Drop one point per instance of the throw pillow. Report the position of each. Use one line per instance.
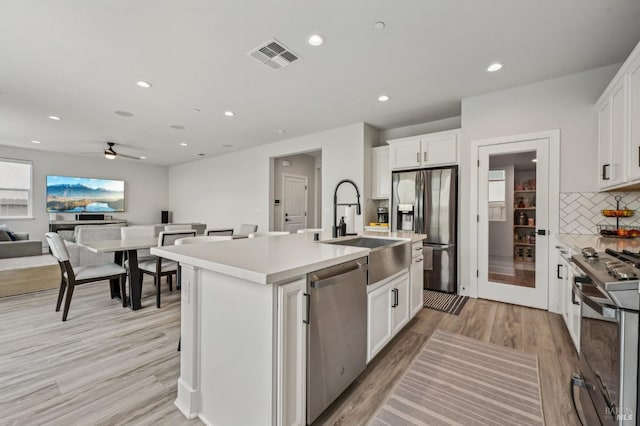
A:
(4, 226)
(12, 236)
(4, 236)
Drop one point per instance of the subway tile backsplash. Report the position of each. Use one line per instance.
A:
(580, 211)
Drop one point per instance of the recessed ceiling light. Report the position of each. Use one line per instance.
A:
(379, 25)
(142, 157)
(496, 66)
(177, 127)
(183, 144)
(54, 117)
(315, 40)
(383, 98)
(226, 145)
(144, 84)
(281, 131)
(35, 141)
(196, 109)
(229, 113)
(123, 113)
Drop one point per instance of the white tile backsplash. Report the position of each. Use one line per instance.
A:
(580, 211)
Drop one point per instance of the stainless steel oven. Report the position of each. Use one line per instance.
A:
(608, 358)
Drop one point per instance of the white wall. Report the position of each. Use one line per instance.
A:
(300, 165)
(232, 189)
(565, 103)
(146, 186)
(419, 129)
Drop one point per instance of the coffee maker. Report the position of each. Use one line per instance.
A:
(405, 217)
(383, 215)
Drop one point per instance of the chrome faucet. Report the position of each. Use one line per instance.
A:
(335, 204)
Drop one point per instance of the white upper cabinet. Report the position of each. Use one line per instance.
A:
(619, 127)
(634, 114)
(381, 173)
(435, 149)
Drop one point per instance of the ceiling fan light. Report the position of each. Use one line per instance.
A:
(109, 155)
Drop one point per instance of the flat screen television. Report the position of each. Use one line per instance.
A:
(76, 195)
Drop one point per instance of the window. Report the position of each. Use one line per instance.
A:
(497, 192)
(15, 188)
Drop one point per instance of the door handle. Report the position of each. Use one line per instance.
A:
(558, 272)
(308, 297)
(542, 232)
(286, 219)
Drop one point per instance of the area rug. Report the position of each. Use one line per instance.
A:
(444, 302)
(464, 381)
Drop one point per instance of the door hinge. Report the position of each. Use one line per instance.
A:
(478, 218)
(478, 163)
(477, 274)
(305, 213)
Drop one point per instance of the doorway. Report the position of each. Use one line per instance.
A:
(517, 195)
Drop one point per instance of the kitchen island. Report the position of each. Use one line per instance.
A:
(243, 358)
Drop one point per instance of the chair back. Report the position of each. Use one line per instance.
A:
(228, 231)
(246, 229)
(267, 234)
(168, 238)
(129, 232)
(98, 233)
(178, 227)
(203, 239)
(302, 231)
(57, 246)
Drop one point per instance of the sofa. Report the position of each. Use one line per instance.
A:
(21, 247)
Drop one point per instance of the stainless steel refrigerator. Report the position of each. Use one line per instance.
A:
(426, 201)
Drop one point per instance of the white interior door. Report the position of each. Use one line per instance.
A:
(513, 222)
(294, 194)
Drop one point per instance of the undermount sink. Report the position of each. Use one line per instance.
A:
(387, 256)
(366, 242)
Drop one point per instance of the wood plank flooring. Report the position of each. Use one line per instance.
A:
(109, 366)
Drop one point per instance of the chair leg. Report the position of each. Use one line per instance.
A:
(179, 344)
(158, 280)
(63, 286)
(123, 289)
(170, 280)
(67, 302)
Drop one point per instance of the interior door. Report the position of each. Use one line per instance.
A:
(513, 218)
(295, 202)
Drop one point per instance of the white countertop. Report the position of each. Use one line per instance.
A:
(266, 260)
(577, 242)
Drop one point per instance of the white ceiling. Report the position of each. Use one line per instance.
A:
(81, 59)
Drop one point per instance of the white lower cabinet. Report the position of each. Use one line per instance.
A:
(416, 272)
(388, 311)
(292, 354)
(570, 305)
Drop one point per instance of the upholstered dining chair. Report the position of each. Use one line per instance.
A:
(159, 267)
(267, 234)
(71, 276)
(246, 229)
(222, 232)
(178, 227)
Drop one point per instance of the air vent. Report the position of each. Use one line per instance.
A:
(274, 55)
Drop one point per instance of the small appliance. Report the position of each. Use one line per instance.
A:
(383, 215)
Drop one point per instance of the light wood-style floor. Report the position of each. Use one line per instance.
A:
(108, 365)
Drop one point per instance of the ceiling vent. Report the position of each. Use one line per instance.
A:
(273, 54)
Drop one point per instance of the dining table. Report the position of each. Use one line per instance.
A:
(130, 246)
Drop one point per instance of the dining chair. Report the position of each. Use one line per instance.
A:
(158, 267)
(246, 229)
(267, 234)
(71, 276)
(302, 231)
(225, 231)
(178, 227)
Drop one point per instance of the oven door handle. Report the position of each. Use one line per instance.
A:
(576, 292)
(603, 309)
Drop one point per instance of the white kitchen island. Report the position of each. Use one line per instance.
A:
(243, 359)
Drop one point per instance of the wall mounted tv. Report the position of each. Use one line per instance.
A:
(75, 195)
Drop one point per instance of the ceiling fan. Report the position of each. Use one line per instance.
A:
(111, 154)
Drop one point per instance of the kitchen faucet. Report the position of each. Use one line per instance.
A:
(335, 204)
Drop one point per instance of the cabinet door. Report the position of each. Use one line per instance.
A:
(401, 312)
(604, 144)
(440, 150)
(405, 154)
(381, 173)
(634, 117)
(619, 122)
(417, 283)
(378, 319)
(292, 355)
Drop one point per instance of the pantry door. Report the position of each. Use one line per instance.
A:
(513, 219)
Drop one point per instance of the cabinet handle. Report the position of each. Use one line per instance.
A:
(395, 297)
(308, 297)
(419, 260)
(417, 157)
(604, 172)
(573, 298)
(558, 272)
(638, 155)
(418, 248)
(425, 156)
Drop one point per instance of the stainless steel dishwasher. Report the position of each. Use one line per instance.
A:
(336, 332)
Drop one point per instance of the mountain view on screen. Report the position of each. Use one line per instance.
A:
(73, 195)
